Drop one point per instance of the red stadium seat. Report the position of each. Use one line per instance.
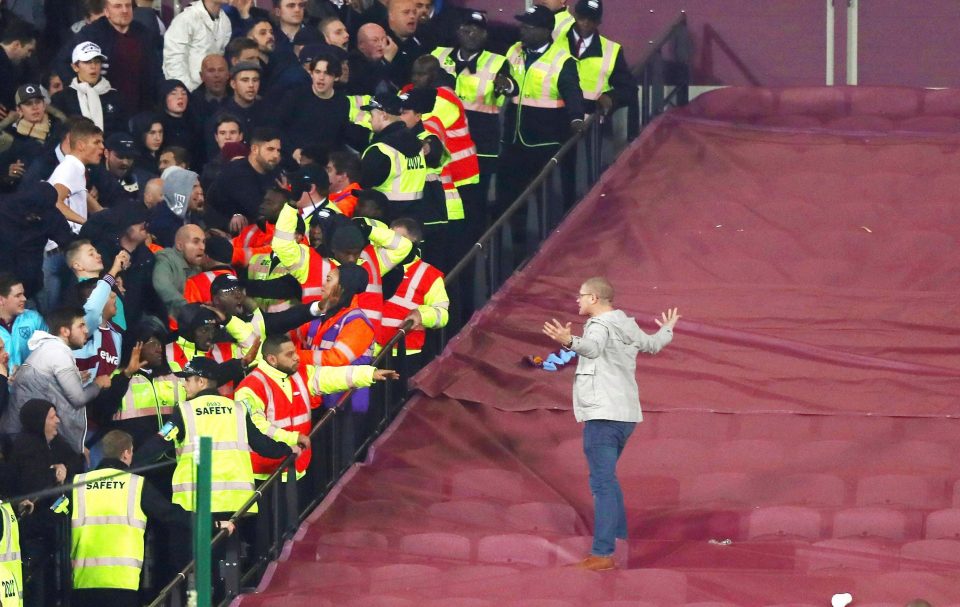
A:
(784, 521)
(846, 554)
(435, 544)
(381, 601)
(404, 578)
(942, 525)
(749, 454)
(870, 522)
(822, 455)
(516, 548)
(925, 555)
(808, 489)
(654, 585)
(544, 517)
(471, 512)
(720, 487)
(897, 490)
(661, 454)
(488, 483)
(473, 580)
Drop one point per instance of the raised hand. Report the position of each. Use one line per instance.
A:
(557, 332)
(136, 363)
(668, 318)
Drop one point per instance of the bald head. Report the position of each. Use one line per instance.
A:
(370, 39)
(402, 17)
(153, 192)
(191, 242)
(214, 74)
(599, 286)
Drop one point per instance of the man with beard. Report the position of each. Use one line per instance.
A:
(238, 191)
(175, 265)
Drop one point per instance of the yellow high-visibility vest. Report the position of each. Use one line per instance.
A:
(407, 174)
(225, 422)
(475, 90)
(595, 71)
(107, 527)
(10, 553)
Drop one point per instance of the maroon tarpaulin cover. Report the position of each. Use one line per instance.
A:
(800, 435)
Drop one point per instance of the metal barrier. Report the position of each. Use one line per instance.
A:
(505, 247)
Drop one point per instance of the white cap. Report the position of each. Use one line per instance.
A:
(86, 51)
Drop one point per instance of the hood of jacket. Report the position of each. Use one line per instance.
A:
(33, 415)
(40, 338)
(177, 188)
(625, 327)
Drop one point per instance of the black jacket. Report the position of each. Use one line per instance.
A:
(305, 119)
(27, 220)
(238, 189)
(136, 82)
(31, 459)
(114, 116)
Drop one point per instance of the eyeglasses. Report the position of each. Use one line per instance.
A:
(580, 295)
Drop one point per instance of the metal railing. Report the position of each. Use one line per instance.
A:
(505, 246)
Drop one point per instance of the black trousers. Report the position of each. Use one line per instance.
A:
(519, 165)
(104, 597)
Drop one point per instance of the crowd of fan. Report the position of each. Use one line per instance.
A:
(181, 189)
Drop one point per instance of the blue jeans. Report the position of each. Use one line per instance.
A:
(603, 442)
(55, 277)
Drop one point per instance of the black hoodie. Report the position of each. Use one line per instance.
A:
(32, 458)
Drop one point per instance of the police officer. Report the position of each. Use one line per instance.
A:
(543, 110)
(394, 162)
(482, 80)
(110, 511)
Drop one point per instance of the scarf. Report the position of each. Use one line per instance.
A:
(89, 98)
(37, 130)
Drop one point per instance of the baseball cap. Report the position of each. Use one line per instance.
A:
(478, 18)
(420, 100)
(201, 366)
(224, 282)
(86, 51)
(537, 16)
(305, 178)
(590, 9)
(121, 144)
(244, 66)
(27, 92)
(386, 103)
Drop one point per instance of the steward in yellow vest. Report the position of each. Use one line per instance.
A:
(482, 81)
(543, 111)
(11, 564)
(110, 512)
(605, 78)
(234, 435)
(394, 162)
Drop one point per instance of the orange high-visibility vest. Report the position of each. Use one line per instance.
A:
(416, 283)
(291, 414)
(371, 300)
(252, 236)
(448, 113)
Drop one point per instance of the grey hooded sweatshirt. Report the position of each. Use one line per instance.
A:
(50, 373)
(605, 385)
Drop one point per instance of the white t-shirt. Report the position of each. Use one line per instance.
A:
(73, 175)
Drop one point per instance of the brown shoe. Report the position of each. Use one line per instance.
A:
(598, 563)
